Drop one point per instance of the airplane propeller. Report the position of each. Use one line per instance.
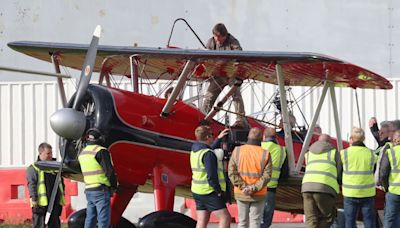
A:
(70, 123)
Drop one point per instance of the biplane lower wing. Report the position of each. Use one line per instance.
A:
(299, 69)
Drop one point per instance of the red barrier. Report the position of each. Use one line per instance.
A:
(14, 197)
(279, 216)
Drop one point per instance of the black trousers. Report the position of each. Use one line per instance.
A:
(39, 215)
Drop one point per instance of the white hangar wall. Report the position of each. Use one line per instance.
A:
(27, 106)
(364, 32)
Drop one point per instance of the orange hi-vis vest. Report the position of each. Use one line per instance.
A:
(251, 161)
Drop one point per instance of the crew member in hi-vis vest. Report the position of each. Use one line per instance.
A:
(320, 184)
(280, 170)
(40, 186)
(99, 177)
(208, 180)
(382, 137)
(389, 180)
(250, 170)
(358, 187)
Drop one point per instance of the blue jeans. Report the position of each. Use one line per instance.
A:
(351, 207)
(339, 221)
(268, 210)
(98, 205)
(392, 211)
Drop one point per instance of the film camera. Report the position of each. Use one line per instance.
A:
(236, 137)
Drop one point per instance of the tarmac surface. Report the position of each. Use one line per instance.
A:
(276, 225)
(282, 225)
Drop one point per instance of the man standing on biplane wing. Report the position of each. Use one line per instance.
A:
(223, 41)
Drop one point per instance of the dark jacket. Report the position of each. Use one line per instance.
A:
(384, 170)
(216, 144)
(230, 43)
(210, 163)
(318, 148)
(375, 132)
(104, 159)
(49, 179)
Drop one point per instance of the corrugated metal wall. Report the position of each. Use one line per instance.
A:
(24, 119)
(27, 106)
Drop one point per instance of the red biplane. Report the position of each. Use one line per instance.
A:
(150, 137)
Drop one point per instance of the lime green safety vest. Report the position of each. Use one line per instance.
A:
(42, 192)
(93, 173)
(321, 168)
(394, 176)
(384, 148)
(278, 155)
(358, 172)
(199, 175)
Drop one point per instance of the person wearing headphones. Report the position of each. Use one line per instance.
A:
(99, 177)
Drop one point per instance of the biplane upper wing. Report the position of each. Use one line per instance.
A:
(299, 69)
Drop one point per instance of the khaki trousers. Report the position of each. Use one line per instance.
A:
(250, 213)
(319, 209)
(217, 84)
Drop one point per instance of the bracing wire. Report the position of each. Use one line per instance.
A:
(298, 106)
(69, 73)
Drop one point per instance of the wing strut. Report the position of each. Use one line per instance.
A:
(285, 114)
(189, 66)
(310, 131)
(233, 89)
(336, 117)
(105, 73)
(358, 107)
(56, 63)
(134, 74)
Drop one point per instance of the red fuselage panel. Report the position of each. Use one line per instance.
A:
(134, 163)
(143, 112)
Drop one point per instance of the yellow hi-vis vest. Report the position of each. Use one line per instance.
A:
(384, 148)
(394, 176)
(278, 156)
(358, 172)
(42, 192)
(199, 175)
(321, 168)
(93, 173)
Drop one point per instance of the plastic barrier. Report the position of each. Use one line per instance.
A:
(279, 216)
(14, 197)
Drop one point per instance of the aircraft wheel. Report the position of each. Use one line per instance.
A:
(77, 220)
(123, 222)
(166, 219)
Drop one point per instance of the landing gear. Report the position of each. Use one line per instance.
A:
(166, 219)
(77, 220)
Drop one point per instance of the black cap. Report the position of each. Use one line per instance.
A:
(93, 134)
